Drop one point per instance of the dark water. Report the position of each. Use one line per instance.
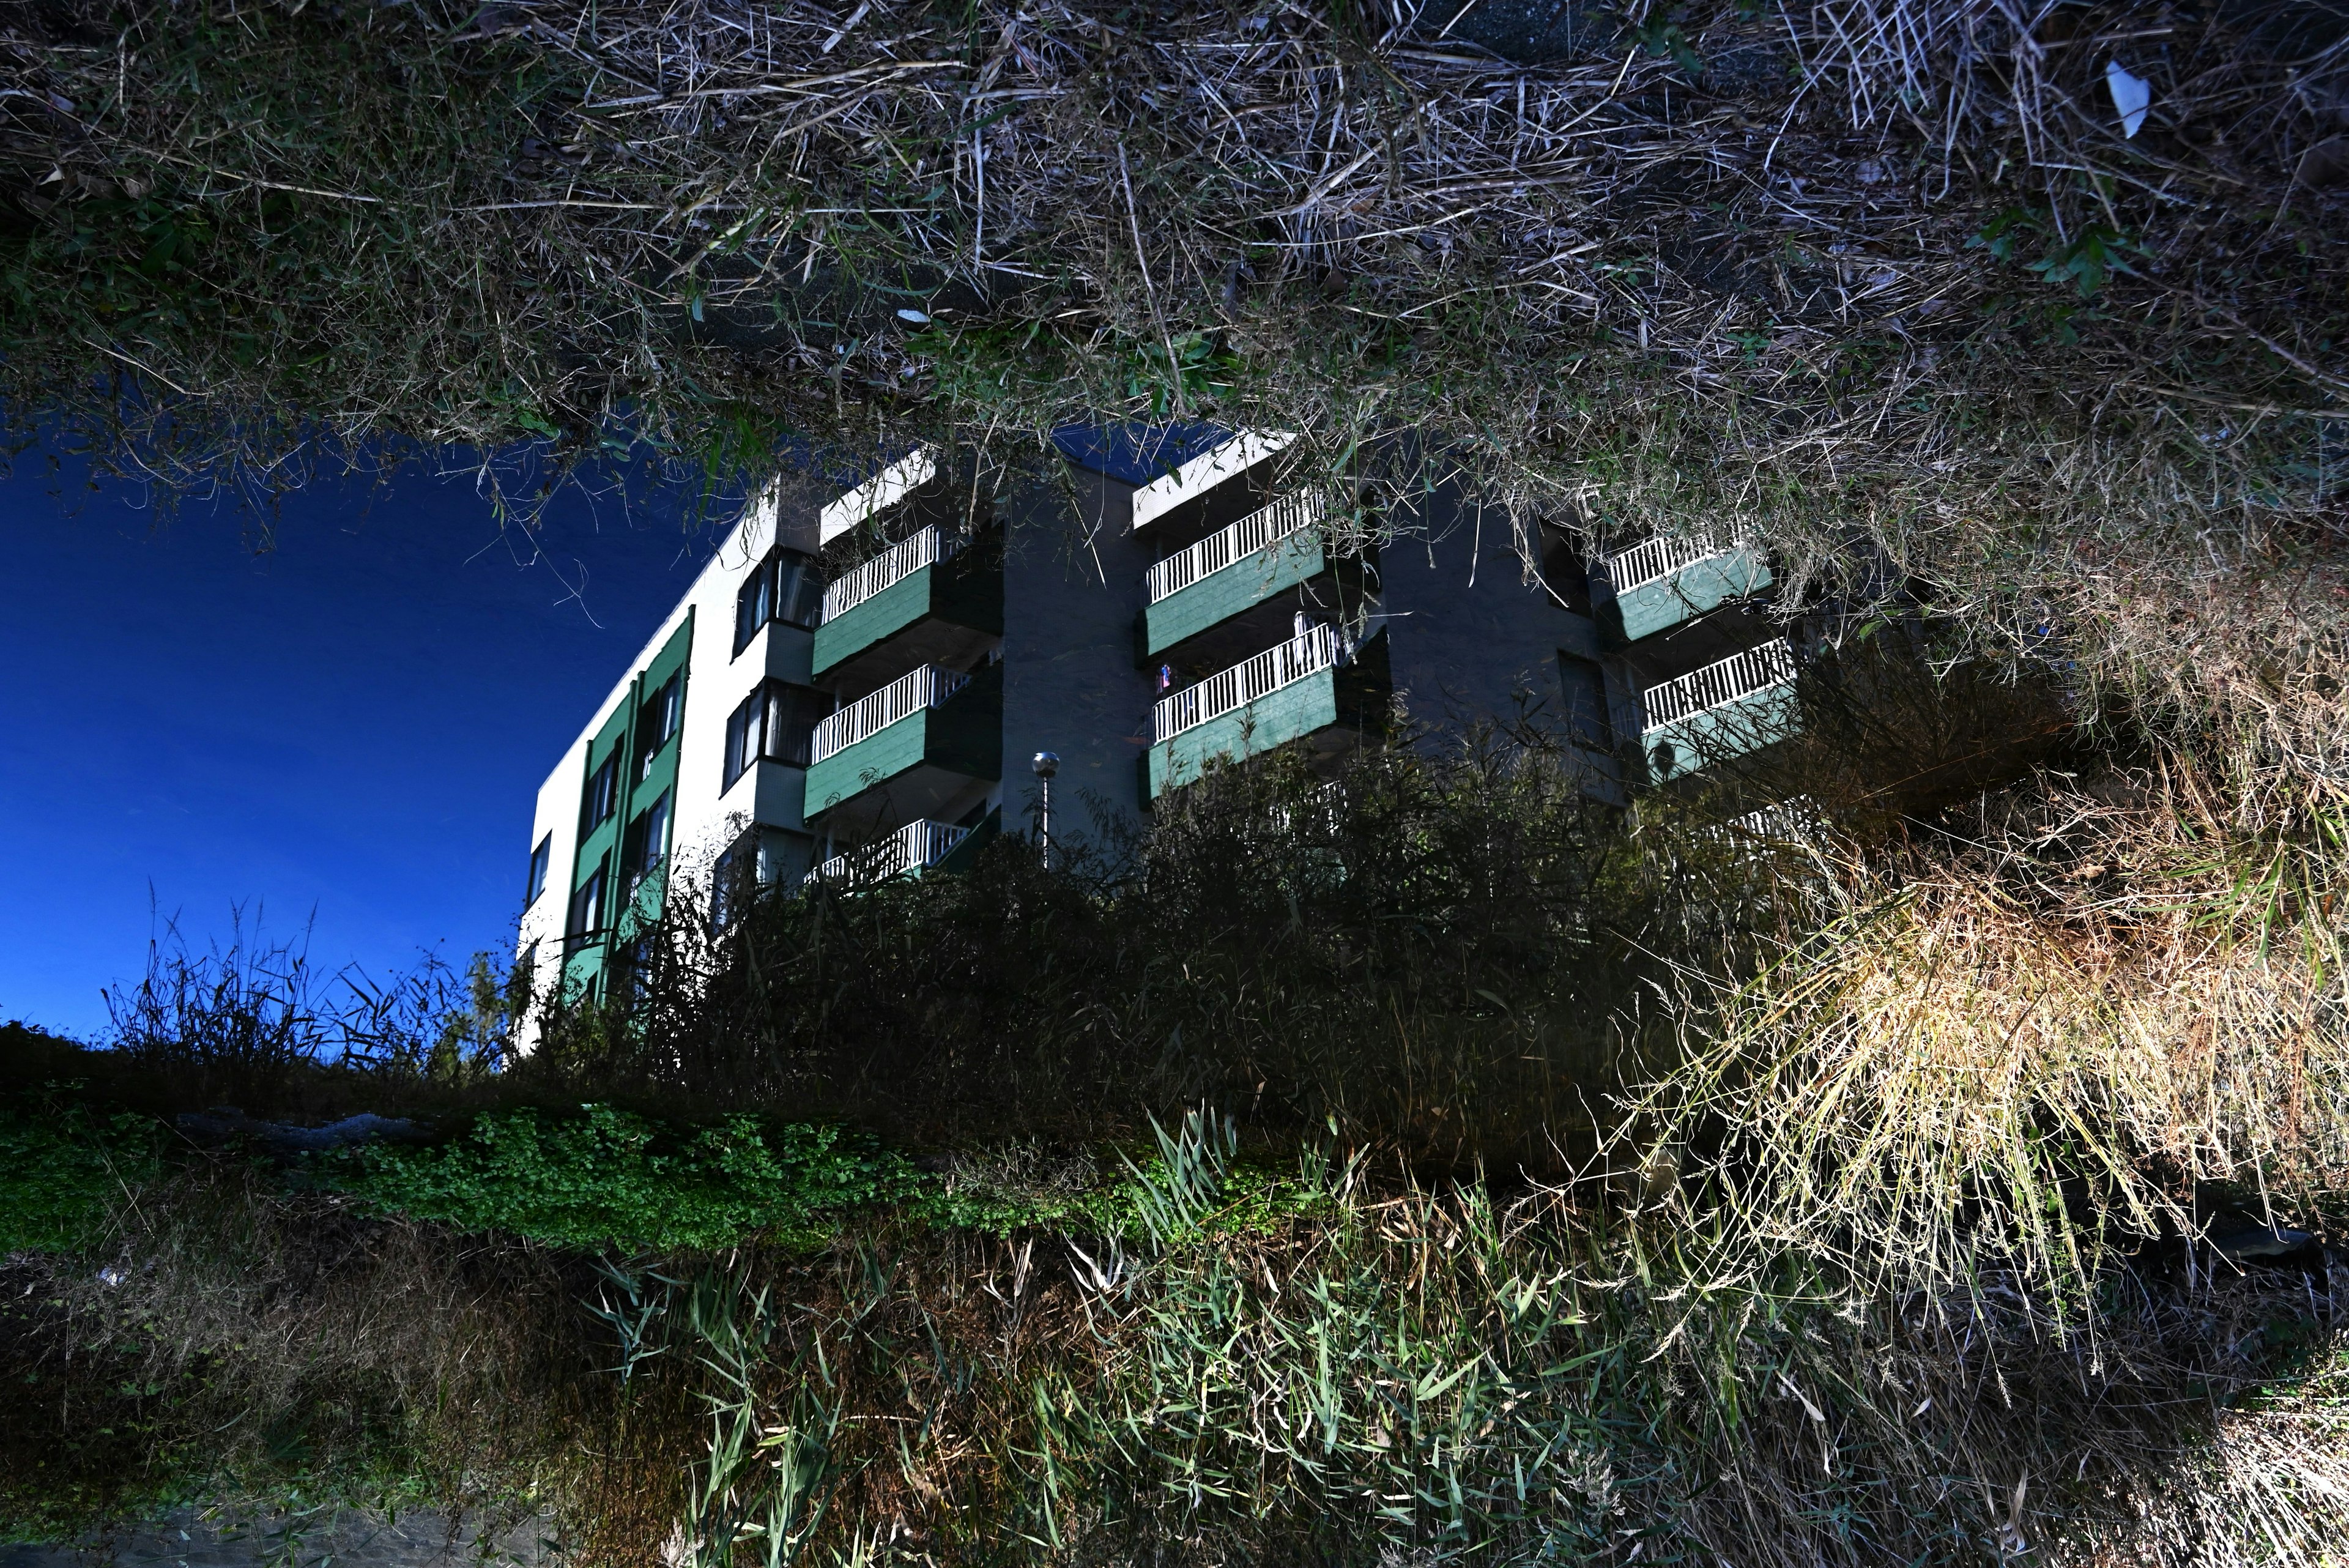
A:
(346, 1537)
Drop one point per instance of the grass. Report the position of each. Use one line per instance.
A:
(1381, 1367)
(1879, 1208)
(1736, 269)
(2063, 1022)
(606, 1178)
(1665, 1194)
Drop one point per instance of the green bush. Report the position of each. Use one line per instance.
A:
(610, 1178)
(62, 1171)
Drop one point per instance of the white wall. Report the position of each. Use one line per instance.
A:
(705, 816)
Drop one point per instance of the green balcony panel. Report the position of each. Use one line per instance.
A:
(1245, 584)
(959, 858)
(959, 739)
(946, 603)
(1690, 592)
(1720, 733)
(1292, 712)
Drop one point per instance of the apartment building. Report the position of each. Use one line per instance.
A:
(857, 689)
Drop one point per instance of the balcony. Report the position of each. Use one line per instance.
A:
(1660, 583)
(1258, 558)
(1725, 709)
(934, 598)
(1301, 688)
(899, 480)
(907, 749)
(916, 847)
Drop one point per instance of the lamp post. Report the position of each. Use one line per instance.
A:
(1046, 765)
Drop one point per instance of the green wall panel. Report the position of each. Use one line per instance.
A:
(1720, 733)
(1295, 711)
(1245, 583)
(1691, 592)
(874, 760)
(638, 788)
(964, 736)
(885, 614)
(967, 590)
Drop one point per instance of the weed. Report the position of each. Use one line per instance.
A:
(605, 1177)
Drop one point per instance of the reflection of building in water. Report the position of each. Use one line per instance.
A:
(837, 693)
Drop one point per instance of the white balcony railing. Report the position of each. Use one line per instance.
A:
(1794, 820)
(891, 567)
(909, 693)
(916, 846)
(1290, 514)
(1724, 680)
(1321, 647)
(1653, 560)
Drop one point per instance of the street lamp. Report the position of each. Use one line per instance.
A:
(1046, 765)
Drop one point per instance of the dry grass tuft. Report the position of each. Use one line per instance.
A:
(2040, 1034)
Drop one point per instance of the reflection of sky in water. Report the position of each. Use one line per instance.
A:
(354, 725)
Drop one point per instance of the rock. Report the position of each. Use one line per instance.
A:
(2324, 164)
(2259, 1241)
(224, 1122)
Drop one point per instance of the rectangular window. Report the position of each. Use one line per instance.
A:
(602, 794)
(734, 881)
(744, 737)
(793, 714)
(1585, 689)
(645, 843)
(785, 587)
(539, 859)
(761, 861)
(657, 717)
(586, 912)
(754, 604)
(799, 591)
(776, 724)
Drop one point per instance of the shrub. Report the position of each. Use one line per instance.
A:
(63, 1169)
(610, 1178)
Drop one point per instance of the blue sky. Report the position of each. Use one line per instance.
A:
(345, 732)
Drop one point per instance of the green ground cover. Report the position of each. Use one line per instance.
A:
(66, 1169)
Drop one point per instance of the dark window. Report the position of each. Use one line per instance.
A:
(774, 724)
(1586, 704)
(586, 912)
(631, 966)
(645, 843)
(785, 587)
(602, 794)
(539, 859)
(761, 860)
(734, 881)
(754, 604)
(1567, 571)
(657, 717)
(799, 592)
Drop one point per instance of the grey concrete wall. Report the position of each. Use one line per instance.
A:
(1474, 632)
(1072, 586)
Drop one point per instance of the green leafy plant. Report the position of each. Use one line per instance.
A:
(1670, 39)
(2005, 232)
(2090, 260)
(62, 1171)
(607, 1177)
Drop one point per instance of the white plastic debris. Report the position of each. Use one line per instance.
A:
(112, 1275)
(916, 317)
(2131, 95)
